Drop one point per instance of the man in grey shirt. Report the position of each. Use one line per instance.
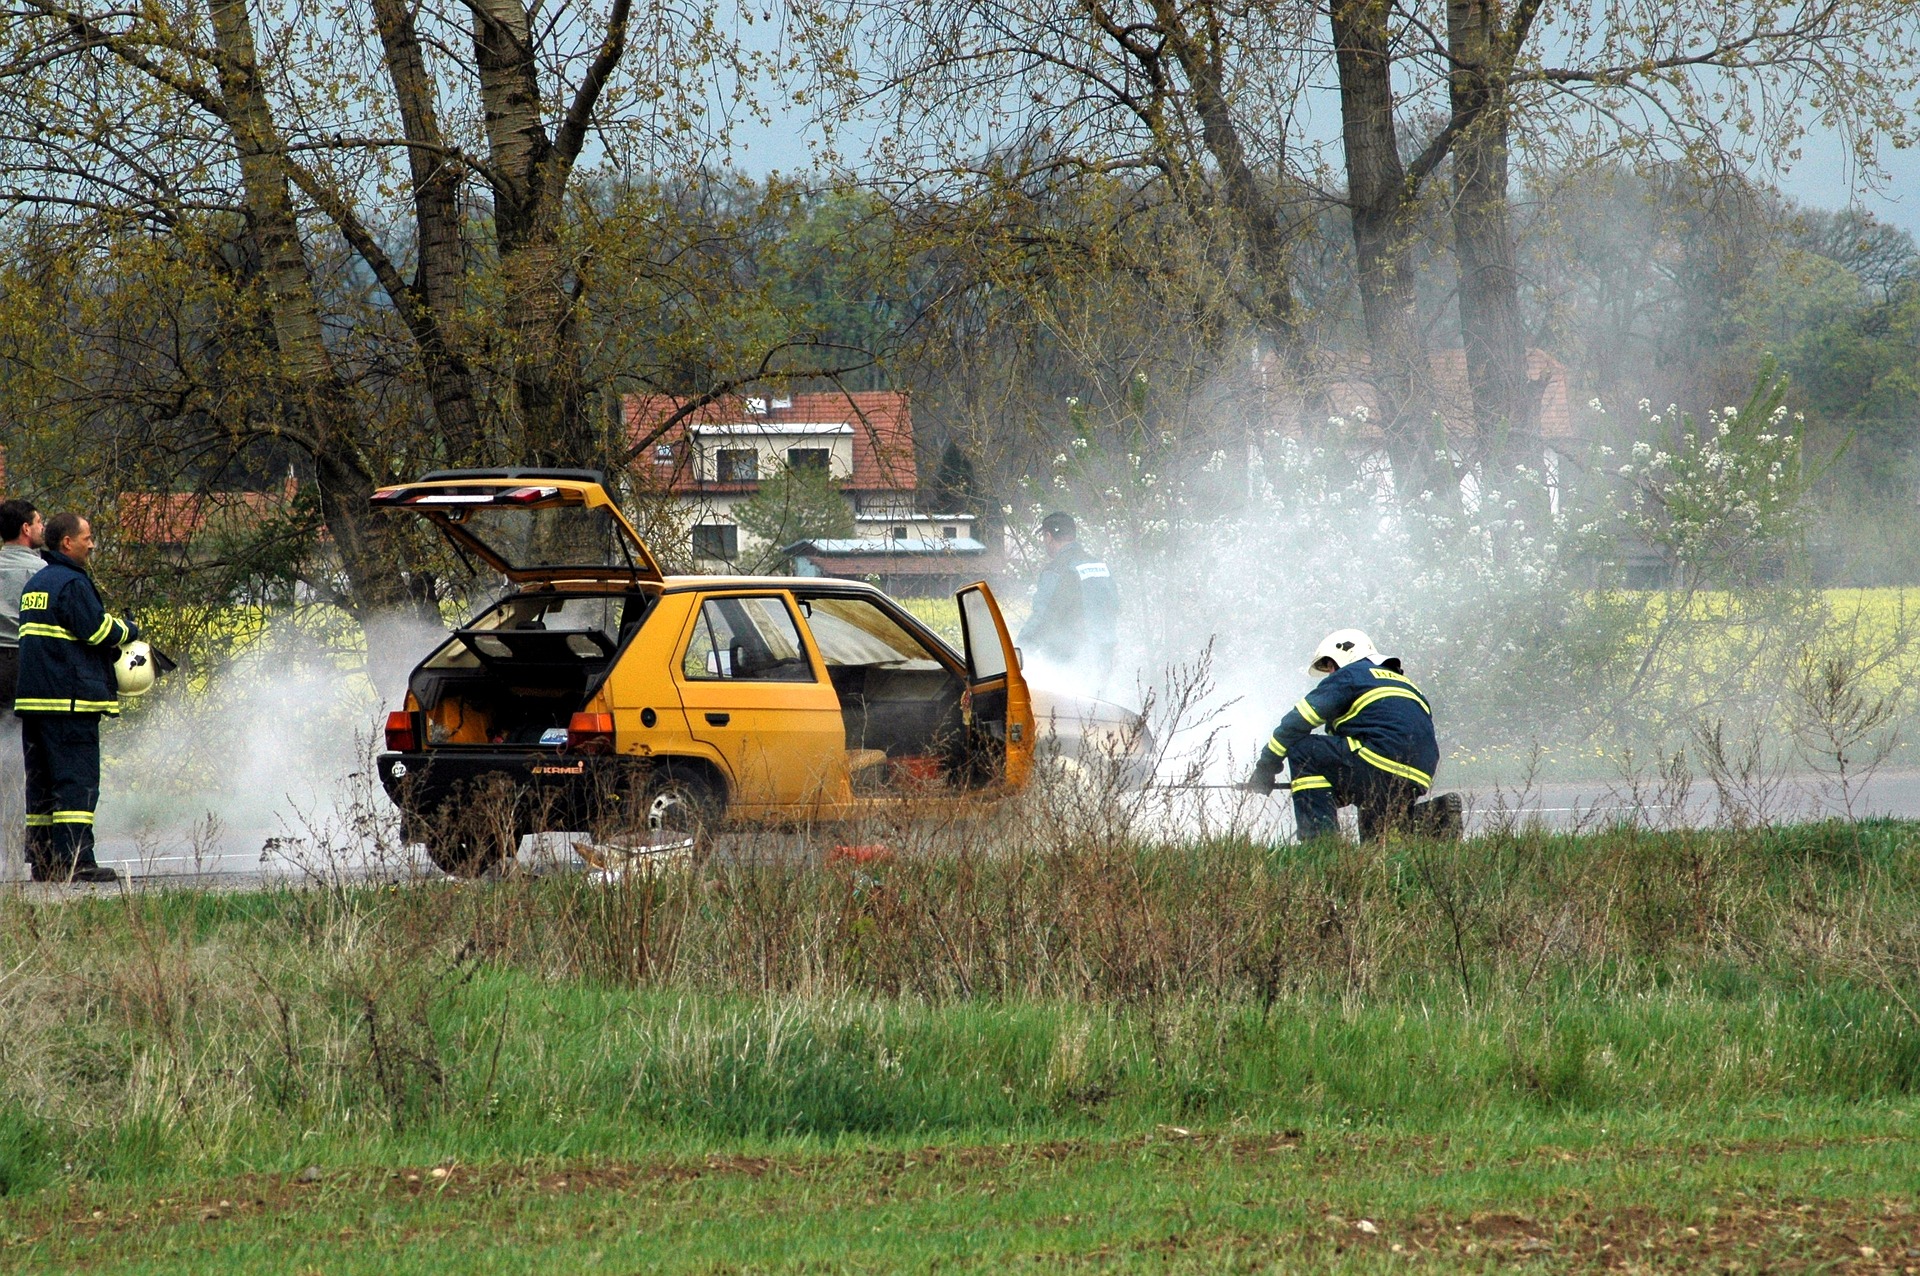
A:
(22, 531)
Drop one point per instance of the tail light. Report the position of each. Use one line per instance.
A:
(590, 733)
(401, 737)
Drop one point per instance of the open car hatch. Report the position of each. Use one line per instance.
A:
(530, 525)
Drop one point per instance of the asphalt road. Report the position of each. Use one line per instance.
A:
(239, 858)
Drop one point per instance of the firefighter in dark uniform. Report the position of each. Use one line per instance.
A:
(67, 683)
(1379, 752)
(1074, 621)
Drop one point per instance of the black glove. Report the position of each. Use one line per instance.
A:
(1266, 773)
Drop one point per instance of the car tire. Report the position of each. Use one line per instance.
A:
(674, 801)
(463, 847)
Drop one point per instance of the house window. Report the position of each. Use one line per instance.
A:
(898, 533)
(950, 533)
(807, 458)
(737, 465)
(663, 454)
(716, 540)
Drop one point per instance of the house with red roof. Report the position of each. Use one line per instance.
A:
(175, 520)
(719, 455)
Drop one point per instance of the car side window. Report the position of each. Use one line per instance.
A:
(745, 640)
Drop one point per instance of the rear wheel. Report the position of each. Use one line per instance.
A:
(679, 807)
(475, 828)
(469, 856)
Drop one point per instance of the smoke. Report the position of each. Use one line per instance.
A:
(1250, 569)
(212, 766)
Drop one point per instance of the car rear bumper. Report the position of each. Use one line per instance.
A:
(545, 788)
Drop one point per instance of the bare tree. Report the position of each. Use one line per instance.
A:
(1188, 100)
(440, 147)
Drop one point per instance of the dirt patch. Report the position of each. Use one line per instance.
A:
(1789, 1236)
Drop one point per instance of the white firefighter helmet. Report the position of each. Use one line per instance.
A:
(1342, 647)
(133, 668)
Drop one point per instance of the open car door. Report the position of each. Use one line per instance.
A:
(530, 525)
(1000, 716)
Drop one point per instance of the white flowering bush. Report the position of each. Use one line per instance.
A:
(1715, 496)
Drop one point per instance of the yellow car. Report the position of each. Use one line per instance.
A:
(600, 691)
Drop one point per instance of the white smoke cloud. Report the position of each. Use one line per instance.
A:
(206, 772)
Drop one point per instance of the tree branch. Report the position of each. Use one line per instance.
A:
(573, 130)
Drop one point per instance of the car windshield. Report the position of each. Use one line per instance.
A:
(853, 631)
(554, 537)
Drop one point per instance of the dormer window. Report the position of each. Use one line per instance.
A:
(808, 458)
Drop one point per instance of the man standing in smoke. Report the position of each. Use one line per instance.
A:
(1075, 608)
(21, 532)
(67, 683)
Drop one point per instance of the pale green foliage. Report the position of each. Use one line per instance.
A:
(796, 503)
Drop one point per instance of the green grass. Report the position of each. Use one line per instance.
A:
(1795, 1189)
(1550, 1050)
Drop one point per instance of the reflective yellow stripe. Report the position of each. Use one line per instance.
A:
(34, 629)
(39, 821)
(71, 817)
(1276, 748)
(41, 705)
(1391, 767)
(1306, 783)
(100, 634)
(1308, 712)
(1397, 677)
(1376, 695)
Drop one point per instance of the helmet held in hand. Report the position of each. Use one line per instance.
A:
(133, 668)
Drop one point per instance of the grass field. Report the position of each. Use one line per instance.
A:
(1629, 1050)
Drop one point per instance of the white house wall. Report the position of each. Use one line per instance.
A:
(770, 445)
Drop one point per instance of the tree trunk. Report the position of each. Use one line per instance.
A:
(529, 190)
(440, 278)
(1268, 242)
(1505, 403)
(364, 541)
(1381, 199)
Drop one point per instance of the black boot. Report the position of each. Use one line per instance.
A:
(1442, 817)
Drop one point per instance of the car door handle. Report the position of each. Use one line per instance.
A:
(719, 719)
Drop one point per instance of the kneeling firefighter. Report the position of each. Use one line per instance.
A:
(1379, 752)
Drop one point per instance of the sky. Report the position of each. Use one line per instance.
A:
(1824, 177)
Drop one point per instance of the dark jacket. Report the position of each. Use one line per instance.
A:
(67, 643)
(1075, 607)
(1379, 711)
